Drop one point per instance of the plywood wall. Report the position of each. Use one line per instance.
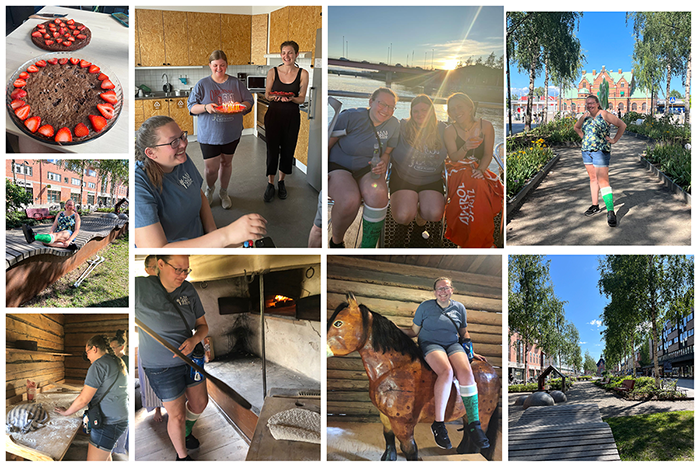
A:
(41, 367)
(258, 41)
(81, 327)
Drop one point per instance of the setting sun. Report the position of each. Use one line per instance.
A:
(450, 64)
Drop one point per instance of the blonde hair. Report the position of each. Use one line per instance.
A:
(378, 91)
(218, 55)
(461, 98)
(147, 137)
(423, 136)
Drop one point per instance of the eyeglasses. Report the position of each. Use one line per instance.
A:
(383, 106)
(174, 143)
(179, 271)
(444, 289)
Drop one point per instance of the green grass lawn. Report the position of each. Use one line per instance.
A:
(666, 436)
(106, 286)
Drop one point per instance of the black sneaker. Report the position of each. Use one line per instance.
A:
(441, 437)
(72, 247)
(594, 209)
(332, 244)
(269, 192)
(188, 458)
(477, 436)
(281, 190)
(612, 219)
(191, 442)
(28, 233)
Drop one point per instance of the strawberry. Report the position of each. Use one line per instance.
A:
(67, 43)
(81, 27)
(32, 69)
(41, 26)
(70, 39)
(18, 94)
(48, 42)
(63, 135)
(70, 21)
(46, 130)
(98, 122)
(106, 110)
(36, 34)
(74, 61)
(94, 69)
(106, 84)
(102, 77)
(32, 123)
(62, 61)
(41, 63)
(55, 34)
(52, 61)
(81, 130)
(58, 21)
(76, 33)
(81, 36)
(17, 103)
(19, 83)
(23, 112)
(70, 26)
(62, 31)
(84, 64)
(62, 24)
(110, 96)
(47, 36)
(24, 75)
(52, 27)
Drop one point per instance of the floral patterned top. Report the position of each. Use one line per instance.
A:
(65, 223)
(594, 132)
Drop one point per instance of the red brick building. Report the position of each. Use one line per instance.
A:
(51, 184)
(518, 356)
(625, 93)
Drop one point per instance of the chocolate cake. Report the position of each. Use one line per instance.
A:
(61, 35)
(63, 100)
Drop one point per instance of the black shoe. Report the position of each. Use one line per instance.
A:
(612, 219)
(191, 442)
(28, 233)
(269, 192)
(441, 437)
(281, 190)
(477, 436)
(594, 209)
(332, 244)
(72, 247)
(188, 458)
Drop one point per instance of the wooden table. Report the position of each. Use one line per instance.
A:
(109, 46)
(563, 433)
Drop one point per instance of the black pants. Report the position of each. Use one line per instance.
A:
(281, 130)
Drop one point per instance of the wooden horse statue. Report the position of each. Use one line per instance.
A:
(400, 382)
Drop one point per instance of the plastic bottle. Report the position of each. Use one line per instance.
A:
(198, 358)
(375, 160)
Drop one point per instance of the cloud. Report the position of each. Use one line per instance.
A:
(582, 343)
(596, 322)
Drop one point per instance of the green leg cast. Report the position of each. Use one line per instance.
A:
(188, 427)
(607, 197)
(43, 238)
(372, 223)
(470, 397)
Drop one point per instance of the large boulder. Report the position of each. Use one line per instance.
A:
(538, 399)
(520, 400)
(558, 396)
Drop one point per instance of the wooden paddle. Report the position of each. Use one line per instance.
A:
(225, 388)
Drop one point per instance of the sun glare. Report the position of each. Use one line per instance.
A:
(450, 64)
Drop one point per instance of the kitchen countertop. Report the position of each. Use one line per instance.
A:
(161, 95)
(109, 46)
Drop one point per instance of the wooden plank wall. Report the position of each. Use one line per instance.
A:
(47, 330)
(395, 290)
(81, 327)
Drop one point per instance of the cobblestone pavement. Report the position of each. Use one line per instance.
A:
(584, 392)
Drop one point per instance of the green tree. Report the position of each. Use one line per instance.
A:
(675, 94)
(644, 358)
(589, 365)
(78, 166)
(113, 172)
(491, 60)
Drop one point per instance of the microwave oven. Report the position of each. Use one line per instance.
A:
(256, 83)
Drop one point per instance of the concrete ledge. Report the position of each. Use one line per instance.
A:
(638, 136)
(670, 184)
(514, 203)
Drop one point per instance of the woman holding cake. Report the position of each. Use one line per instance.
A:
(63, 231)
(171, 209)
(285, 89)
(218, 132)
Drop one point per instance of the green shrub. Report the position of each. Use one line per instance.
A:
(522, 165)
(674, 161)
(529, 387)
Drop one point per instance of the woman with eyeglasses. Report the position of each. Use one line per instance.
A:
(171, 209)
(63, 231)
(352, 178)
(106, 384)
(170, 306)
(218, 131)
(439, 325)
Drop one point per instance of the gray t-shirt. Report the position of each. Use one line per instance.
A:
(436, 328)
(419, 166)
(219, 128)
(176, 207)
(155, 307)
(355, 146)
(100, 375)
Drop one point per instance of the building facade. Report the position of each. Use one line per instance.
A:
(51, 184)
(518, 355)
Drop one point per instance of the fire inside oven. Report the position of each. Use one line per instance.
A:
(280, 305)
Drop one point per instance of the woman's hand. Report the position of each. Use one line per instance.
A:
(248, 227)
(610, 140)
(61, 410)
(586, 114)
(188, 346)
(478, 173)
(380, 168)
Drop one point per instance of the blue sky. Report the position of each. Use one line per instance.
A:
(453, 33)
(605, 40)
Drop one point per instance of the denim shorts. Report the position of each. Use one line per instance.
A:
(170, 383)
(428, 347)
(597, 158)
(105, 438)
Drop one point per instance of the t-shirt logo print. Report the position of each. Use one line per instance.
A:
(183, 301)
(186, 180)
(383, 134)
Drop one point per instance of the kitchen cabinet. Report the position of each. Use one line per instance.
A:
(279, 28)
(295, 23)
(177, 106)
(204, 36)
(249, 120)
(150, 30)
(175, 31)
(174, 107)
(258, 40)
(138, 113)
(235, 38)
(153, 107)
(301, 153)
(137, 50)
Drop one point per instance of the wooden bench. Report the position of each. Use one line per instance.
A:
(626, 387)
(606, 380)
(38, 213)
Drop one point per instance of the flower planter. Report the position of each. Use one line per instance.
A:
(670, 184)
(516, 201)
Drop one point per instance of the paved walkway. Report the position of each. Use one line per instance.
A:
(609, 405)
(647, 212)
